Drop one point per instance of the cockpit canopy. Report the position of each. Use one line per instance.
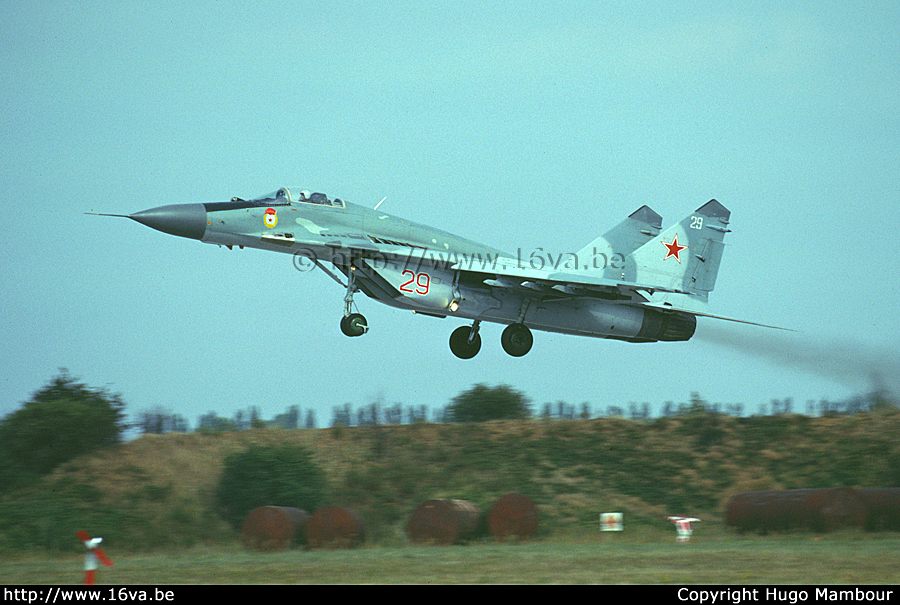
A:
(301, 196)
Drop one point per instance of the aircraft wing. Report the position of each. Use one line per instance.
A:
(547, 284)
(508, 275)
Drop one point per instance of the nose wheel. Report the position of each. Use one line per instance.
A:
(354, 325)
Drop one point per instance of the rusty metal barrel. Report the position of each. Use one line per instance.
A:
(884, 508)
(272, 527)
(443, 522)
(821, 510)
(513, 516)
(335, 527)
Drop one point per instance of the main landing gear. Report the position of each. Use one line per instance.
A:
(465, 341)
(516, 340)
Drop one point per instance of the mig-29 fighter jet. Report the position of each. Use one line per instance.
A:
(636, 283)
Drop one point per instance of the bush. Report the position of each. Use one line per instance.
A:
(281, 475)
(482, 403)
(63, 420)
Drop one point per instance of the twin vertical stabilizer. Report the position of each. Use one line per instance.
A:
(683, 258)
(687, 255)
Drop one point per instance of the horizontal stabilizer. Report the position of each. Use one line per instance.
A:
(719, 317)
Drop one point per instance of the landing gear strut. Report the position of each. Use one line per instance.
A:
(465, 341)
(516, 338)
(352, 324)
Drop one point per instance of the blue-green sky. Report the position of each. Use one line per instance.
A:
(524, 125)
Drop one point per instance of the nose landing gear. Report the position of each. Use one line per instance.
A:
(354, 324)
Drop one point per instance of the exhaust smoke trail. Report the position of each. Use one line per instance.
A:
(849, 363)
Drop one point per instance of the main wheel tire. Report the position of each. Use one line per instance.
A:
(517, 339)
(354, 325)
(460, 345)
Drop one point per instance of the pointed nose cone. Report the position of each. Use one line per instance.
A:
(183, 220)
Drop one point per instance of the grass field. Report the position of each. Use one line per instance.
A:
(153, 501)
(849, 558)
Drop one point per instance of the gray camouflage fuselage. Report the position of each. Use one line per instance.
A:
(624, 285)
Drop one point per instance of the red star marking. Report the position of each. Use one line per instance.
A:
(673, 249)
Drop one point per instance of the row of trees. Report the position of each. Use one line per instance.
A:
(478, 404)
(160, 420)
(481, 403)
(66, 419)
